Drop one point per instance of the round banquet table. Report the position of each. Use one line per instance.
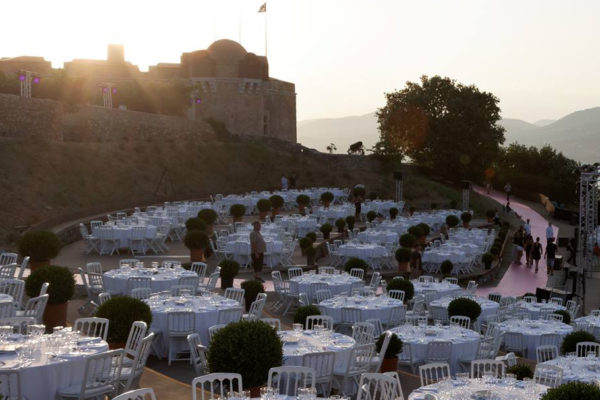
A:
(464, 341)
(123, 232)
(379, 237)
(501, 389)
(206, 309)
(532, 330)
(334, 212)
(51, 368)
(593, 322)
(366, 251)
(488, 307)
(115, 280)
(441, 288)
(371, 307)
(535, 309)
(337, 283)
(297, 344)
(581, 369)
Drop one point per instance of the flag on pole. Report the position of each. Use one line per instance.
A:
(263, 8)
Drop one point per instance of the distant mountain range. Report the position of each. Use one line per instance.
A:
(577, 135)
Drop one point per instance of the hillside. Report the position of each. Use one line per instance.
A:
(319, 133)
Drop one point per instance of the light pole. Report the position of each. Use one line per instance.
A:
(466, 191)
(107, 91)
(27, 78)
(398, 179)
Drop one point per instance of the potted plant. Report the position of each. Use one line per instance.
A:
(411, 210)
(197, 242)
(122, 312)
(248, 348)
(237, 211)
(487, 259)
(390, 358)
(464, 306)
(350, 221)
(326, 199)
(304, 243)
(229, 269)
(490, 214)
(404, 285)
(466, 218)
(195, 224)
(371, 215)
(452, 221)
(355, 262)
(312, 236)
(573, 390)
(569, 343)
(566, 316)
(521, 371)
(326, 230)
(251, 290)
(40, 247)
(425, 228)
(60, 291)
(417, 232)
(403, 258)
(209, 216)
(393, 213)
(303, 312)
(276, 203)
(446, 267)
(408, 240)
(303, 201)
(264, 206)
(340, 223)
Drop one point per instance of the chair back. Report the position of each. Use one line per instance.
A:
(214, 329)
(14, 288)
(324, 320)
(8, 258)
(375, 386)
(135, 282)
(396, 294)
(92, 327)
(583, 348)
(35, 307)
(8, 271)
(228, 315)
(101, 371)
(357, 273)
(287, 379)
(180, 322)
(141, 293)
(199, 268)
(351, 315)
(137, 394)
(136, 333)
(433, 373)
(545, 353)
(439, 350)
(461, 320)
(198, 354)
(294, 272)
(548, 375)
(481, 367)
(363, 332)
(211, 386)
(10, 384)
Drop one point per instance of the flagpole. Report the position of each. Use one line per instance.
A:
(265, 33)
(239, 22)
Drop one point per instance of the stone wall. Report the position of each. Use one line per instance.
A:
(30, 118)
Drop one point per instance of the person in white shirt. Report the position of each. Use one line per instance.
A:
(284, 183)
(527, 227)
(549, 233)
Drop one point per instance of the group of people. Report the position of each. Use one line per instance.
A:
(524, 243)
(288, 182)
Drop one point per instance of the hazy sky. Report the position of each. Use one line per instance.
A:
(540, 57)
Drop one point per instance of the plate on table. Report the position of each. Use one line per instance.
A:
(8, 348)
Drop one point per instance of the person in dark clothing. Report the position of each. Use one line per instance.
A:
(536, 252)
(550, 255)
(416, 262)
(357, 206)
(292, 181)
(572, 249)
(528, 249)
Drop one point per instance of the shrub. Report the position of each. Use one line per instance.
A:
(373, 196)
(394, 347)
(452, 221)
(326, 228)
(122, 312)
(358, 191)
(208, 215)
(312, 236)
(249, 348)
(303, 200)
(326, 197)
(521, 371)
(487, 259)
(229, 268)
(371, 215)
(425, 228)
(466, 217)
(566, 316)
(62, 283)
(403, 254)
(196, 240)
(237, 210)
(393, 213)
(39, 245)
(276, 201)
(453, 204)
(408, 240)
(303, 312)
(463, 306)
(263, 205)
(490, 214)
(251, 290)
(573, 390)
(355, 262)
(195, 224)
(305, 243)
(340, 223)
(350, 220)
(446, 267)
(570, 341)
(402, 284)
(416, 231)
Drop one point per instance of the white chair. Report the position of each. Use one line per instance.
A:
(135, 282)
(287, 379)
(109, 243)
(439, 313)
(550, 339)
(461, 320)
(91, 241)
(326, 270)
(472, 287)
(24, 265)
(256, 307)
(180, 325)
(7, 309)
(514, 342)
(439, 350)
(191, 281)
(376, 322)
(396, 317)
(15, 289)
(211, 386)
(44, 288)
(316, 287)
(198, 354)
(396, 294)
(362, 333)
(10, 384)
(451, 279)
(360, 362)
(374, 386)
(228, 315)
(546, 353)
(136, 333)
(200, 269)
(357, 273)
(294, 272)
(138, 394)
(210, 285)
(141, 293)
(554, 317)
(481, 367)
(274, 323)
(510, 359)
(100, 377)
(377, 359)
(583, 348)
(350, 316)
(180, 290)
(433, 373)
(35, 308)
(130, 376)
(323, 295)
(556, 300)
(322, 363)
(214, 329)
(323, 320)
(530, 299)
(495, 297)
(92, 327)
(426, 279)
(8, 271)
(548, 375)
(8, 258)
(595, 313)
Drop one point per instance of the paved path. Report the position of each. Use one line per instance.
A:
(519, 279)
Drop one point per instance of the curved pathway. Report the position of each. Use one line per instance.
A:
(518, 279)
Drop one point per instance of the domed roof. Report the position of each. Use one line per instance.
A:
(226, 51)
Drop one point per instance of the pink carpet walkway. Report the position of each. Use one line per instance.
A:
(519, 279)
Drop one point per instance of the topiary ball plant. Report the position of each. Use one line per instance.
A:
(303, 200)
(573, 391)
(359, 191)
(466, 217)
(263, 205)
(196, 240)
(326, 197)
(122, 312)
(326, 229)
(408, 240)
(404, 285)
(248, 348)
(195, 224)
(350, 221)
(39, 245)
(521, 371)
(355, 262)
(416, 231)
(393, 213)
(251, 290)
(340, 223)
(276, 201)
(312, 236)
(394, 346)
(62, 283)
(425, 228)
(303, 312)
(209, 216)
(229, 268)
(487, 259)
(566, 316)
(569, 344)
(371, 215)
(452, 221)
(305, 242)
(446, 267)
(237, 210)
(463, 306)
(402, 255)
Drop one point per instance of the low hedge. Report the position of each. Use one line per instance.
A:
(39, 245)
(404, 285)
(573, 391)
(355, 262)
(62, 283)
(452, 221)
(569, 344)
(521, 371)
(394, 346)
(464, 306)
(303, 312)
(122, 312)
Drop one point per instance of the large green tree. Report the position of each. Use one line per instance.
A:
(443, 125)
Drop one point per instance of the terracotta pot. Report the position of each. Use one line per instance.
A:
(196, 255)
(490, 220)
(33, 265)
(55, 315)
(274, 212)
(326, 204)
(262, 215)
(301, 208)
(226, 282)
(255, 392)
(389, 365)
(116, 345)
(423, 240)
(403, 266)
(465, 224)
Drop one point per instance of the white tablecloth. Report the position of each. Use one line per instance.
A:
(206, 310)
(464, 341)
(381, 206)
(532, 330)
(500, 389)
(335, 212)
(581, 369)
(488, 307)
(367, 252)
(337, 283)
(442, 288)
(593, 321)
(378, 237)
(115, 281)
(535, 309)
(371, 307)
(123, 232)
(294, 346)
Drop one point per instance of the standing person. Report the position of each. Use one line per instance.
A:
(527, 227)
(549, 233)
(284, 183)
(507, 189)
(357, 206)
(528, 248)
(415, 262)
(550, 255)
(536, 252)
(293, 178)
(572, 249)
(257, 249)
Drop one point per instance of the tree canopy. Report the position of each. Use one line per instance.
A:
(441, 124)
